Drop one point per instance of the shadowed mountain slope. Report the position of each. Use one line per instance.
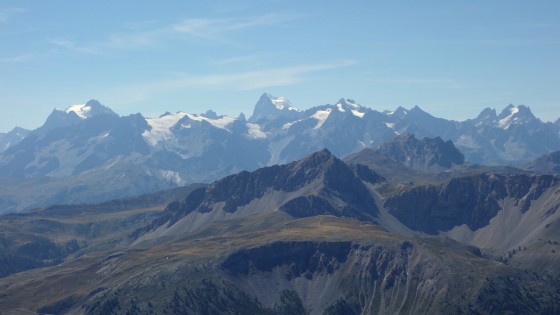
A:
(318, 184)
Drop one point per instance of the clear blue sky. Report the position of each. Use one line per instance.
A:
(452, 58)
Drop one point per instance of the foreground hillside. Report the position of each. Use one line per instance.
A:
(315, 236)
(319, 265)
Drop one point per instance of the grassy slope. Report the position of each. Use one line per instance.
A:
(124, 279)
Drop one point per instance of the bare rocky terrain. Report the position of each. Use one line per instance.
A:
(315, 236)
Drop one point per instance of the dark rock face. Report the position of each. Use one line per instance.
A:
(424, 154)
(470, 200)
(304, 258)
(401, 278)
(329, 176)
(366, 174)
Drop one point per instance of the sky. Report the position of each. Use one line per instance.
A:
(451, 58)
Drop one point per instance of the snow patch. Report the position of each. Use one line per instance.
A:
(171, 176)
(255, 131)
(221, 122)
(390, 125)
(340, 109)
(509, 119)
(82, 110)
(353, 104)
(467, 142)
(288, 125)
(282, 103)
(321, 116)
(161, 127)
(357, 113)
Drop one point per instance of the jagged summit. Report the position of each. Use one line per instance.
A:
(89, 109)
(210, 114)
(487, 115)
(514, 115)
(400, 112)
(269, 108)
(422, 154)
(74, 114)
(349, 105)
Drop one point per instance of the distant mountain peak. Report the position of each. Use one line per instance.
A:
(89, 109)
(210, 114)
(400, 112)
(318, 158)
(74, 114)
(487, 115)
(422, 154)
(280, 103)
(356, 109)
(514, 115)
(270, 107)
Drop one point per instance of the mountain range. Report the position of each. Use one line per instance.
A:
(318, 235)
(87, 152)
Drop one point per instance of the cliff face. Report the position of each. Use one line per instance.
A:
(472, 200)
(341, 277)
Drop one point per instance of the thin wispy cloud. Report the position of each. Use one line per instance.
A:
(208, 29)
(252, 79)
(7, 13)
(239, 81)
(72, 46)
(17, 59)
(237, 60)
(214, 28)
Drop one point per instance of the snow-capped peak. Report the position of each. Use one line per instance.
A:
(269, 107)
(514, 115)
(281, 103)
(89, 109)
(82, 110)
(347, 104)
